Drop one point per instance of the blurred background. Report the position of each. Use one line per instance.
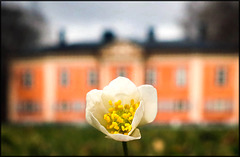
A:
(53, 53)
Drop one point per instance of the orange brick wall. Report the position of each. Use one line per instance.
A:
(75, 91)
(23, 93)
(167, 90)
(212, 91)
(79, 67)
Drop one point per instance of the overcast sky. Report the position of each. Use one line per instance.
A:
(86, 21)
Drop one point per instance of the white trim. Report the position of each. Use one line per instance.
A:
(196, 71)
(50, 84)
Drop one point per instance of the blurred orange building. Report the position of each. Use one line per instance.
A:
(196, 82)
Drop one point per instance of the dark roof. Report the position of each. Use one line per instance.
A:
(77, 48)
(150, 47)
(190, 46)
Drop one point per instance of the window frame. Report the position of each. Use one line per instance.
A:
(27, 75)
(64, 82)
(166, 106)
(218, 105)
(152, 72)
(122, 69)
(180, 77)
(184, 105)
(77, 106)
(217, 73)
(62, 104)
(28, 106)
(95, 74)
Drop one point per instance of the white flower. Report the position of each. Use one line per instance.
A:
(120, 107)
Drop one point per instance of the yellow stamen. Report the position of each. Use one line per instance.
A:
(131, 110)
(129, 127)
(120, 117)
(125, 116)
(107, 118)
(135, 106)
(123, 129)
(116, 127)
(118, 102)
(111, 109)
(126, 106)
(120, 120)
(130, 118)
(120, 106)
(127, 124)
(132, 102)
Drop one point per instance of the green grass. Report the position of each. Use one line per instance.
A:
(86, 140)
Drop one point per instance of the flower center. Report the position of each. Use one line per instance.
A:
(120, 117)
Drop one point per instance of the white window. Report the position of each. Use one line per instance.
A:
(166, 105)
(35, 107)
(27, 79)
(92, 77)
(180, 105)
(63, 106)
(181, 77)
(218, 105)
(121, 72)
(77, 106)
(151, 76)
(209, 106)
(28, 106)
(228, 105)
(221, 76)
(19, 107)
(64, 78)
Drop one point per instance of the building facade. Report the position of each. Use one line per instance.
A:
(194, 84)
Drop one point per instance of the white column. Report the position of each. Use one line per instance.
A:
(50, 82)
(196, 89)
(104, 77)
(138, 74)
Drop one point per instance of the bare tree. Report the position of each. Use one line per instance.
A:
(20, 32)
(220, 21)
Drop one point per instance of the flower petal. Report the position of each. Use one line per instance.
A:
(149, 96)
(95, 123)
(122, 89)
(120, 137)
(95, 106)
(137, 117)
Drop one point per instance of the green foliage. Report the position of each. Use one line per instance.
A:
(86, 140)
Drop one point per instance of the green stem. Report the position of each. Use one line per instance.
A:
(125, 150)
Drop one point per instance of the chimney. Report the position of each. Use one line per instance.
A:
(202, 31)
(108, 36)
(151, 35)
(62, 37)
